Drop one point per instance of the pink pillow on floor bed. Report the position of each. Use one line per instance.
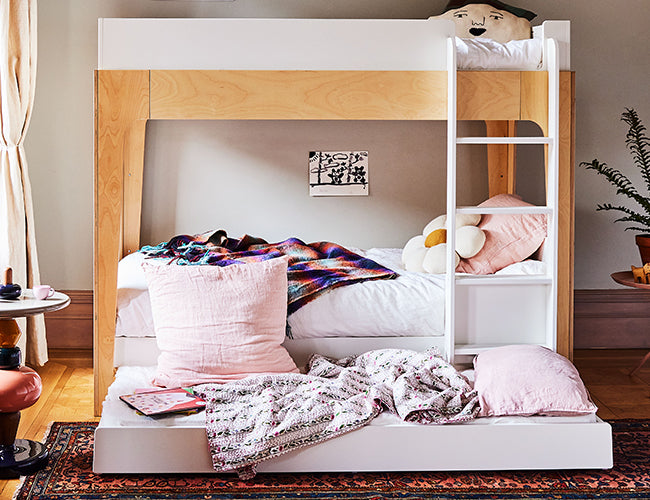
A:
(215, 324)
(529, 380)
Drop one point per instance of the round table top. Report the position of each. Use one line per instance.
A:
(626, 278)
(28, 305)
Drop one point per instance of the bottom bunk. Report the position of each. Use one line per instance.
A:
(129, 443)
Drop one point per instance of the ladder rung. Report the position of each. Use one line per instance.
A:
(504, 140)
(504, 210)
(473, 349)
(499, 280)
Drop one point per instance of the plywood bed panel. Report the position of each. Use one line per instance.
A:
(566, 211)
(126, 99)
(334, 95)
(297, 95)
(121, 108)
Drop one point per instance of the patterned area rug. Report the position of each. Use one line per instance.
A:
(69, 476)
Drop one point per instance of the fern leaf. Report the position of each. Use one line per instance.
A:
(630, 215)
(638, 143)
(620, 181)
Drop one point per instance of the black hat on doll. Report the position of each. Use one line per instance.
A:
(457, 4)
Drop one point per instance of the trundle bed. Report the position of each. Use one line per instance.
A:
(154, 69)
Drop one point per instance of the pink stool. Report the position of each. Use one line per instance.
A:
(20, 388)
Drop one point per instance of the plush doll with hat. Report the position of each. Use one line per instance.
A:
(488, 19)
(427, 252)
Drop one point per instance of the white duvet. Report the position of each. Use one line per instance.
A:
(410, 305)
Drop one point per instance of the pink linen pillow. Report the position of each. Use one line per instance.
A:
(529, 380)
(215, 324)
(508, 238)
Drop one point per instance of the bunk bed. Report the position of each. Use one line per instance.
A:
(153, 69)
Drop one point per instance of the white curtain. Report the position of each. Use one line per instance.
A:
(17, 82)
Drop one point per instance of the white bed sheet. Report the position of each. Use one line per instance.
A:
(486, 54)
(411, 305)
(129, 378)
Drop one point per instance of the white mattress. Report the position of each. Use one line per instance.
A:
(411, 305)
(128, 378)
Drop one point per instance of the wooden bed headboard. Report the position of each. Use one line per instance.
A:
(126, 99)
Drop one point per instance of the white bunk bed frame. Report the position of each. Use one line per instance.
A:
(406, 69)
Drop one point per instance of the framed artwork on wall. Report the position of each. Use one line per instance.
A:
(338, 173)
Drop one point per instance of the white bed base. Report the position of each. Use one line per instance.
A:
(393, 447)
(482, 445)
(143, 351)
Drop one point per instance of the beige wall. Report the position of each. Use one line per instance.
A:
(609, 53)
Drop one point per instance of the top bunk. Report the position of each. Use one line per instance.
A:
(321, 69)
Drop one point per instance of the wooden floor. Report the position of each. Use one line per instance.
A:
(68, 392)
(606, 374)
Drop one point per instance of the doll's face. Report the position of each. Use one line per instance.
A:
(484, 21)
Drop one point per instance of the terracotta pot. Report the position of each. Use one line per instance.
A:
(643, 242)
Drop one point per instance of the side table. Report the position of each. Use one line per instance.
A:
(626, 278)
(20, 386)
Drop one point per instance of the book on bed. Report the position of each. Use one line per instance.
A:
(164, 401)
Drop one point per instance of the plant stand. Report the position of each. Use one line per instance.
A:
(627, 279)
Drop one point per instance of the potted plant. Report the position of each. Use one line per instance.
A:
(639, 218)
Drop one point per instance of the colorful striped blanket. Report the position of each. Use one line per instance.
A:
(312, 268)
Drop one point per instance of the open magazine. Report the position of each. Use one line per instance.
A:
(164, 401)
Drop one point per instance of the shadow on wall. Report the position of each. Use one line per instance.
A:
(252, 177)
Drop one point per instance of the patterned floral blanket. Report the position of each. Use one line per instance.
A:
(312, 268)
(262, 417)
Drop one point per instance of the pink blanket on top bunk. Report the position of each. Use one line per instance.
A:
(262, 417)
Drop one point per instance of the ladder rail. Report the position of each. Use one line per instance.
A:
(450, 266)
(552, 59)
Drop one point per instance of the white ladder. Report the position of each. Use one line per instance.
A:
(549, 280)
